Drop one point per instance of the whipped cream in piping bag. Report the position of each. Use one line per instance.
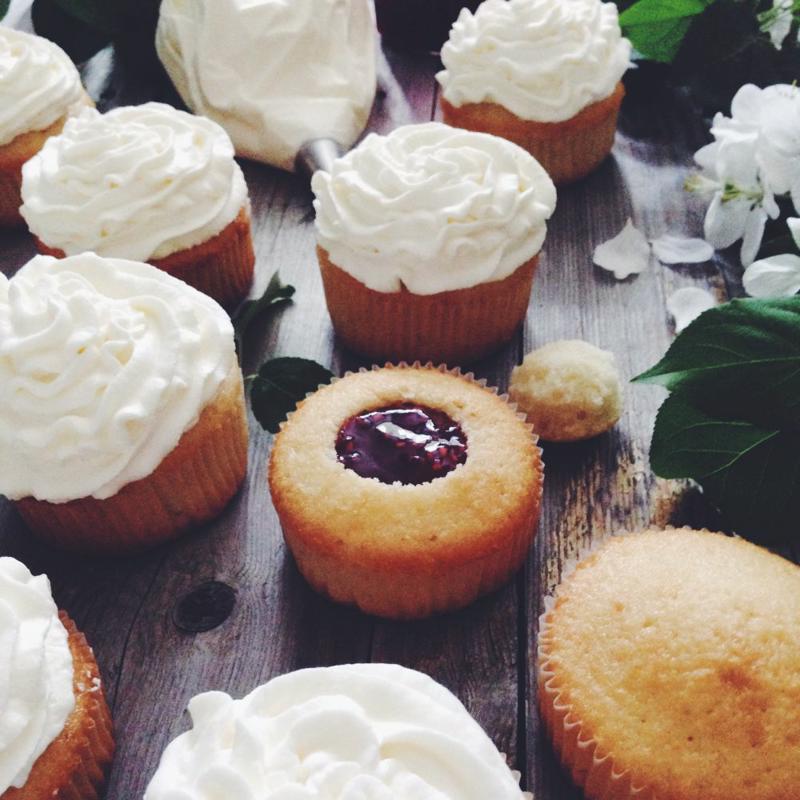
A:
(36, 696)
(104, 364)
(432, 208)
(274, 73)
(140, 182)
(543, 60)
(353, 732)
(38, 83)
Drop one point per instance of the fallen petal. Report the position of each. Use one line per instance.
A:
(628, 253)
(671, 249)
(777, 276)
(687, 304)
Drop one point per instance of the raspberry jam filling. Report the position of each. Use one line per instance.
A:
(406, 442)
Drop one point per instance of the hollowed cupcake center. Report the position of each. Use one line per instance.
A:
(405, 442)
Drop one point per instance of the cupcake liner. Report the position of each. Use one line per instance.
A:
(74, 765)
(568, 150)
(592, 769)
(456, 326)
(398, 593)
(221, 267)
(191, 485)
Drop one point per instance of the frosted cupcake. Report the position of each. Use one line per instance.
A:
(668, 668)
(145, 183)
(55, 726)
(543, 73)
(407, 491)
(428, 242)
(353, 732)
(122, 418)
(39, 89)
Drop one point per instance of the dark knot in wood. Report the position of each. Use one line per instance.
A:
(205, 607)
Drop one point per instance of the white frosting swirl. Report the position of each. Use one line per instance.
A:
(38, 83)
(103, 365)
(273, 73)
(355, 732)
(543, 60)
(140, 182)
(432, 208)
(36, 694)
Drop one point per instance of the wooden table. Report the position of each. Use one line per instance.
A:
(485, 654)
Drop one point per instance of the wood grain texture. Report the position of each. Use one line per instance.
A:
(486, 653)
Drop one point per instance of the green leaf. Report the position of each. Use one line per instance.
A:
(275, 294)
(739, 360)
(4, 4)
(280, 385)
(657, 27)
(104, 16)
(751, 473)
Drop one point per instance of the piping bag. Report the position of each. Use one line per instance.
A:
(291, 81)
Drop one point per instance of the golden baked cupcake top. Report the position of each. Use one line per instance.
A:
(669, 664)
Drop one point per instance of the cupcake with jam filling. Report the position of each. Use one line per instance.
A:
(39, 90)
(406, 490)
(545, 74)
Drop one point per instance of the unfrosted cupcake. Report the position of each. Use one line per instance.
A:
(543, 73)
(406, 490)
(145, 183)
(55, 726)
(39, 89)
(668, 670)
(122, 418)
(351, 732)
(428, 242)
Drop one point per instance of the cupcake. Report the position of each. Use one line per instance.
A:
(122, 418)
(428, 241)
(569, 390)
(55, 726)
(351, 732)
(274, 73)
(145, 183)
(545, 74)
(668, 668)
(39, 89)
(406, 490)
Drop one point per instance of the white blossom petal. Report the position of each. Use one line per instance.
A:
(628, 253)
(782, 24)
(777, 276)
(687, 304)
(753, 234)
(671, 249)
(725, 222)
(794, 229)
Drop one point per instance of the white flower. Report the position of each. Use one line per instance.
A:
(628, 253)
(778, 22)
(777, 276)
(687, 304)
(672, 249)
(794, 229)
(755, 156)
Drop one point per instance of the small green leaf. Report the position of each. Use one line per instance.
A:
(751, 473)
(657, 28)
(4, 4)
(275, 293)
(280, 385)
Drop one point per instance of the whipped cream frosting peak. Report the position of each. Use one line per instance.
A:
(140, 182)
(104, 364)
(353, 732)
(543, 60)
(38, 83)
(432, 208)
(273, 73)
(36, 695)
